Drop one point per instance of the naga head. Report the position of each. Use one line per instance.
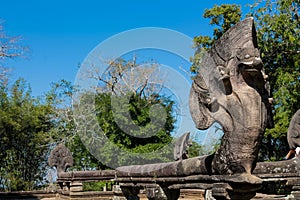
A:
(61, 158)
(231, 64)
(250, 66)
(231, 89)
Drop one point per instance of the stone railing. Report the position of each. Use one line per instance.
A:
(231, 88)
(166, 180)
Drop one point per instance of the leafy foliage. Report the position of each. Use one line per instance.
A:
(279, 42)
(140, 114)
(131, 115)
(97, 186)
(24, 123)
(222, 17)
(59, 99)
(195, 150)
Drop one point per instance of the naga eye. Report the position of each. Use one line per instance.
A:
(247, 56)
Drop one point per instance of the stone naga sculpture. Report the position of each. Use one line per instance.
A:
(293, 134)
(61, 158)
(181, 145)
(231, 89)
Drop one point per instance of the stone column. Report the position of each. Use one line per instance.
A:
(126, 192)
(131, 193)
(221, 191)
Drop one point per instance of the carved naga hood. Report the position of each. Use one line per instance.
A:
(231, 89)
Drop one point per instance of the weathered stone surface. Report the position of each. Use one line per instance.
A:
(61, 158)
(293, 134)
(88, 175)
(76, 186)
(285, 168)
(220, 191)
(181, 145)
(230, 88)
(131, 193)
(197, 165)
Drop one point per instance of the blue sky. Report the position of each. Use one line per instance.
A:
(60, 33)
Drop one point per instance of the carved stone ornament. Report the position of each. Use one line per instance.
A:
(61, 158)
(181, 145)
(231, 89)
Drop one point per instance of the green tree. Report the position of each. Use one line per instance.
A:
(59, 99)
(140, 114)
(195, 150)
(277, 25)
(222, 17)
(278, 31)
(125, 107)
(24, 124)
